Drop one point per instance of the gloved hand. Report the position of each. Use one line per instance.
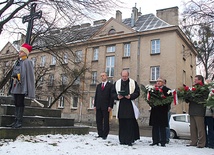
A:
(19, 77)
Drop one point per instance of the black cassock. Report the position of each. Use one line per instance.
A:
(128, 126)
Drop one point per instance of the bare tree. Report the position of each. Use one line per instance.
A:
(53, 34)
(63, 11)
(198, 24)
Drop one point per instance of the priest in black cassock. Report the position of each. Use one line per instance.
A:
(125, 91)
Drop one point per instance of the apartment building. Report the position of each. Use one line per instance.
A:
(149, 46)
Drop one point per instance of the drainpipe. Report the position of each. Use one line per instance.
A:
(83, 87)
(138, 63)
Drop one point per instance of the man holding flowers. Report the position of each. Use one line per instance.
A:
(197, 113)
(159, 112)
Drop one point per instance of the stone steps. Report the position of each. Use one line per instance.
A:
(10, 133)
(6, 109)
(36, 120)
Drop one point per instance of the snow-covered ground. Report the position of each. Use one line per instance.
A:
(90, 145)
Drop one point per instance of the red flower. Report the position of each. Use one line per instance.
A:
(156, 88)
(213, 90)
(186, 88)
(193, 89)
(200, 83)
(163, 96)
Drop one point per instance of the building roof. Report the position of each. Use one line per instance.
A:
(77, 33)
(146, 22)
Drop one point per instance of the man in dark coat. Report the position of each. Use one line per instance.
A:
(125, 91)
(159, 118)
(23, 83)
(197, 114)
(103, 104)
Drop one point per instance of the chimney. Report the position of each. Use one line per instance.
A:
(98, 22)
(119, 16)
(134, 15)
(169, 15)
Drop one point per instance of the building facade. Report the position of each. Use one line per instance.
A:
(148, 46)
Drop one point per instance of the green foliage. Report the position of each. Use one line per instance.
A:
(198, 93)
(154, 96)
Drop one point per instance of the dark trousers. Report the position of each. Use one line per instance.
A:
(19, 100)
(159, 134)
(209, 125)
(102, 120)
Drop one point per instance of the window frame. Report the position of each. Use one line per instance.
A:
(110, 67)
(78, 56)
(111, 48)
(95, 54)
(155, 47)
(156, 73)
(61, 102)
(94, 77)
(127, 50)
(43, 61)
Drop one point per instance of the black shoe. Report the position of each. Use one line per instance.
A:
(99, 136)
(154, 144)
(104, 138)
(163, 145)
(130, 144)
(17, 125)
(12, 124)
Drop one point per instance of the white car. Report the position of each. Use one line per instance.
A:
(179, 125)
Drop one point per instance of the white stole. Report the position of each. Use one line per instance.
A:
(131, 90)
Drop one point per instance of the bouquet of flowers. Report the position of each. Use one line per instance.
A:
(210, 100)
(154, 96)
(198, 93)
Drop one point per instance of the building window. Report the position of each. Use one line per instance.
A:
(51, 80)
(61, 102)
(183, 52)
(64, 79)
(111, 48)
(7, 64)
(155, 73)
(43, 59)
(94, 78)
(41, 80)
(78, 57)
(127, 48)
(7, 52)
(191, 64)
(53, 60)
(33, 61)
(50, 100)
(74, 102)
(110, 66)
(95, 54)
(184, 77)
(91, 106)
(112, 31)
(65, 58)
(155, 46)
(77, 81)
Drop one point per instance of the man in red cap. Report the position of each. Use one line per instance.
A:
(23, 83)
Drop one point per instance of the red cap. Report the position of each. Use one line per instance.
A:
(26, 48)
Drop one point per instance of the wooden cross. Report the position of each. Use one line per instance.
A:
(30, 18)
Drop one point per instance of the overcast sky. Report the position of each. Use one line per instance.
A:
(146, 6)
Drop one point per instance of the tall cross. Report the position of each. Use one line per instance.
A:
(30, 18)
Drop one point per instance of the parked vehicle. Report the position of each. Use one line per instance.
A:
(179, 125)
